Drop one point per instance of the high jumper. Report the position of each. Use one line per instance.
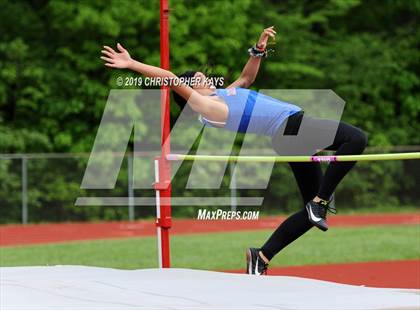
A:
(233, 108)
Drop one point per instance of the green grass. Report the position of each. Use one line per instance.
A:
(226, 250)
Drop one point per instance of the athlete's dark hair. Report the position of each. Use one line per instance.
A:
(180, 101)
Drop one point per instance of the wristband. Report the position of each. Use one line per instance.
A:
(254, 52)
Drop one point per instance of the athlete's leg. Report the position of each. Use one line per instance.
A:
(349, 140)
(308, 177)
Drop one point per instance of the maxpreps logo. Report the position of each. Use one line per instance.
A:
(220, 214)
(132, 121)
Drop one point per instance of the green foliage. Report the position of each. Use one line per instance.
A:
(54, 86)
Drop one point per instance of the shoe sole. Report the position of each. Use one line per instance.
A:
(315, 223)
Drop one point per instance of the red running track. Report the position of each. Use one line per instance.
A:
(395, 274)
(11, 235)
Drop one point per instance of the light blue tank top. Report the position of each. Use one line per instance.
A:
(253, 112)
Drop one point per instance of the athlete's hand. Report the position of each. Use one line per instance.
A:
(115, 59)
(265, 35)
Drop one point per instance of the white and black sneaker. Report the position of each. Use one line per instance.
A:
(254, 263)
(317, 213)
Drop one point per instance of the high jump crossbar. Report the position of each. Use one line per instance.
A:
(262, 159)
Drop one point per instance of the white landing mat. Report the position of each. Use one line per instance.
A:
(80, 287)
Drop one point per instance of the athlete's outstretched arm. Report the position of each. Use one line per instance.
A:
(123, 60)
(250, 71)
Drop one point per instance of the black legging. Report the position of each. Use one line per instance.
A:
(349, 140)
